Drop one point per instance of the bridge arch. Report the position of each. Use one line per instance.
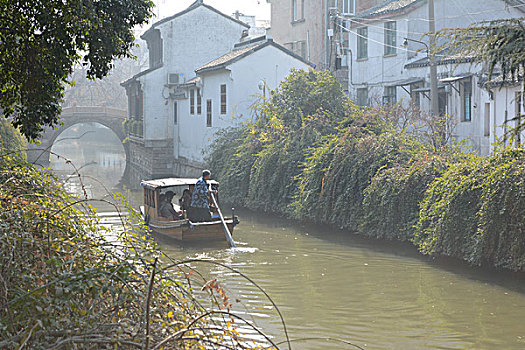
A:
(111, 118)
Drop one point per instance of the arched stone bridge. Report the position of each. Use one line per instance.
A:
(111, 118)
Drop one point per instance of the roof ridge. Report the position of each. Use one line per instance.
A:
(235, 55)
(193, 6)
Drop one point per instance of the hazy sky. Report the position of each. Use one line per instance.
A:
(258, 8)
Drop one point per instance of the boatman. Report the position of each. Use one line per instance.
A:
(200, 207)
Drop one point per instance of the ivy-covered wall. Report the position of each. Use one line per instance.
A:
(313, 155)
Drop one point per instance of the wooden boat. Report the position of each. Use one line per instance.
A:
(182, 229)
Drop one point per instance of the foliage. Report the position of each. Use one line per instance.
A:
(501, 225)
(499, 43)
(41, 41)
(10, 139)
(384, 173)
(448, 219)
(391, 202)
(67, 281)
(306, 106)
(335, 178)
(232, 158)
(475, 212)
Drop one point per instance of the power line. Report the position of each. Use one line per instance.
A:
(376, 41)
(507, 7)
(374, 26)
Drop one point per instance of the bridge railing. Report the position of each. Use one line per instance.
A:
(93, 110)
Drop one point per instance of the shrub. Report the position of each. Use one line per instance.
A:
(391, 202)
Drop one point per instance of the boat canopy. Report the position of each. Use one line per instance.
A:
(171, 182)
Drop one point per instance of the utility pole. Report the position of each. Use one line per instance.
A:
(434, 96)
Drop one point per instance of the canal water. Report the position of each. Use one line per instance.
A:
(330, 284)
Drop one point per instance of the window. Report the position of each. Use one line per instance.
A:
(223, 99)
(390, 96)
(154, 42)
(349, 7)
(192, 101)
(175, 113)
(486, 128)
(362, 97)
(466, 101)
(149, 198)
(136, 109)
(208, 113)
(390, 38)
(297, 10)
(362, 42)
(199, 102)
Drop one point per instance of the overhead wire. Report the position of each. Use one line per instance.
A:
(374, 26)
(469, 14)
(377, 41)
(360, 21)
(507, 7)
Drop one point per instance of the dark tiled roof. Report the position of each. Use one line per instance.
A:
(389, 7)
(242, 51)
(395, 6)
(192, 7)
(138, 75)
(443, 57)
(498, 81)
(229, 57)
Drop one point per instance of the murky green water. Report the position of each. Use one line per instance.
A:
(377, 295)
(374, 294)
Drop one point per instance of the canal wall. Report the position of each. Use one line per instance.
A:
(154, 160)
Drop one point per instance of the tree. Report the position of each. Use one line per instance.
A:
(42, 40)
(499, 44)
(10, 139)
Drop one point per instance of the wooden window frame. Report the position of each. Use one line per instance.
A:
(466, 100)
(209, 106)
(199, 101)
(192, 101)
(390, 38)
(362, 43)
(224, 106)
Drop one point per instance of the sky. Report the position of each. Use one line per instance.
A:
(258, 8)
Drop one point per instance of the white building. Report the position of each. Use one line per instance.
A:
(384, 69)
(224, 90)
(508, 103)
(188, 93)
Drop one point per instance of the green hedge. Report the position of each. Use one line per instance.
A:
(476, 212)
(391, 201)
(353, 169)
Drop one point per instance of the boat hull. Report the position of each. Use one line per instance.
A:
(187, 231)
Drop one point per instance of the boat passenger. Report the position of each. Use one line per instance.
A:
(200, 207)
(166, 208)
(162, 200)
(185, 200)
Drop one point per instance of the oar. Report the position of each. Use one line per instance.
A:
(226, 230)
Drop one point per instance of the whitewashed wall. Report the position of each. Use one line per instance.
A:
(189, 41)
(504, 106)
(242, 78)
(377, 70)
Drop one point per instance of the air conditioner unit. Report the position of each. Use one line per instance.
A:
(175, 78)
